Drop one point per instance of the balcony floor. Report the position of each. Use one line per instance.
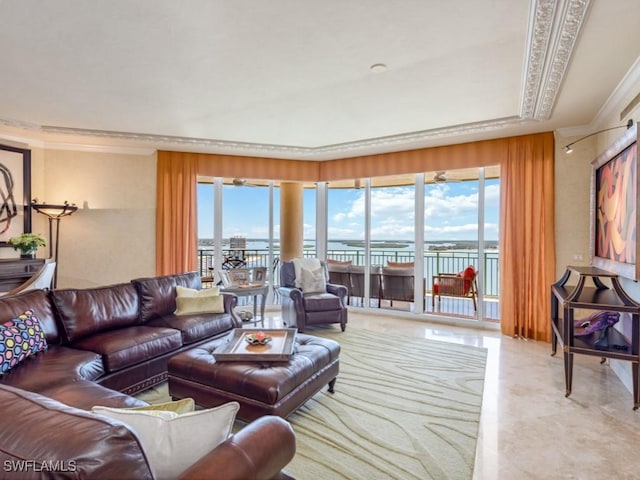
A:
(446, 307)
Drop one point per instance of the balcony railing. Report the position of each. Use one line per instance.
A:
(434, 262)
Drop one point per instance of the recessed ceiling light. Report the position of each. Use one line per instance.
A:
(378, 67)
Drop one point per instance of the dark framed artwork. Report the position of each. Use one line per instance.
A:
(614, 208)
(15, 192)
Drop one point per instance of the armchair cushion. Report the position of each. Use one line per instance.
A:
(312, 281)
(400, 264)
(454, 284)
(174, 442)
(343, 263)
(468, 274)
(321, 301)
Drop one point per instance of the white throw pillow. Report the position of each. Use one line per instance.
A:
(193, 302)
(300, 263)
(172, 442)
(313, 281)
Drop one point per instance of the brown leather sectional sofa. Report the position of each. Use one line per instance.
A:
(105, 344)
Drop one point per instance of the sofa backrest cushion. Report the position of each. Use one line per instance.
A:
(84, 312)
(158, 294)
(40, 436)
(39, 303)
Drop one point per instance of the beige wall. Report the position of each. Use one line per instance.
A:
(572, 185)
(111, 238)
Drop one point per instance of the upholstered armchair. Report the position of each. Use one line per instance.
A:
(310, 300)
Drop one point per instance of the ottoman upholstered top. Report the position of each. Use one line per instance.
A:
(261, 388)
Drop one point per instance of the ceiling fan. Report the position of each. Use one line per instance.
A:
(441, 177)
(241, 182)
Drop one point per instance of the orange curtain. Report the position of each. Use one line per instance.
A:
(527, 231)
(176, 217)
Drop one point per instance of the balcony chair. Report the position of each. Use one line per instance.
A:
(310, 300)
(339, 274)
(398, 284)
(462, 284)
(357, 283)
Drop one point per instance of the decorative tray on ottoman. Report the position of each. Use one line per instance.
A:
(247, 345)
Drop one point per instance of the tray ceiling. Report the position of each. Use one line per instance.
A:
(308, 80)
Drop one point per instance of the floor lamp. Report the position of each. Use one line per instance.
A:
(54, 213)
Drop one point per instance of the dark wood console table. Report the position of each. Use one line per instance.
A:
(15, 271)
(565, 299)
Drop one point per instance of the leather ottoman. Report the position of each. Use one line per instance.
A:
(261, 388)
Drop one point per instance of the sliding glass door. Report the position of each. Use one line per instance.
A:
(424, 224)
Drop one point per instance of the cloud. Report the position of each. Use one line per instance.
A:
(451, 212)
(450, 209)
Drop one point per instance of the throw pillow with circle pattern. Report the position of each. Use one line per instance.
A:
(20, 338)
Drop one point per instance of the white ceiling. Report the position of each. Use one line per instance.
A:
(292, 78)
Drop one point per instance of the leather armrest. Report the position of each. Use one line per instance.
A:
(230, 302)
(259, 451)
(293, 293)
(338, 290)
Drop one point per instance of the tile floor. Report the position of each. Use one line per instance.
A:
(528, 429)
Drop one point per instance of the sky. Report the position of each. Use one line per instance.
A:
(451, 212)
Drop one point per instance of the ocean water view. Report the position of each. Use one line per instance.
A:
(445, 256)
(400, 245)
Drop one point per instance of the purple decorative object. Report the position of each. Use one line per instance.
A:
(595, 322)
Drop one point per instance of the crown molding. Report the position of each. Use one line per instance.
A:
(617, 101)
(553, 32)
(32, 142)
(122, 150)
(621, 95)
(166, 142)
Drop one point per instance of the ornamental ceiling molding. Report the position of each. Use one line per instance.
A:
(553, 31)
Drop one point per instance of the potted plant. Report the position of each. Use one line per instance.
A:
(27, 243)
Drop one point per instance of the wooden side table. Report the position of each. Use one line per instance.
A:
(599, 297)
(252, 291)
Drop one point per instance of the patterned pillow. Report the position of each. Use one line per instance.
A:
(20, 338)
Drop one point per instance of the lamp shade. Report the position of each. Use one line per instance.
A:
(53, 210)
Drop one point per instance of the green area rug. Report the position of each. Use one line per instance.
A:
(405, 408)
